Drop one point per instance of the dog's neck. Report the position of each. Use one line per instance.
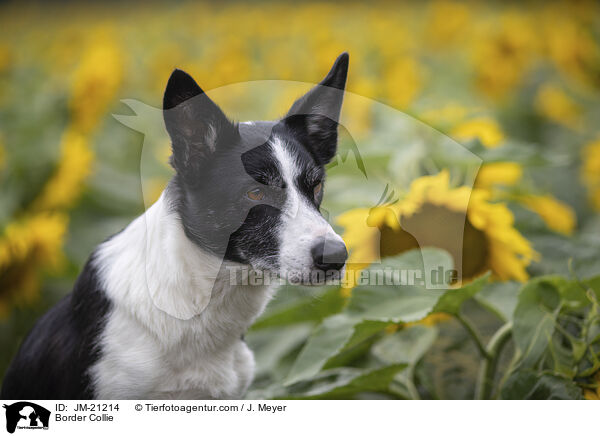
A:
(153, 272)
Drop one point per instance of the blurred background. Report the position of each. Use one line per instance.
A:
(517, 84)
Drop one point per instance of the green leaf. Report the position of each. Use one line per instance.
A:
(529, 385)
(405, 346)
(346, 382)
(452, 300)
(272, 344)
(535, 316)
(573, 295)
(309, 305)
(335, 335)
(328, 339)
(564, 361)
(405, 302)
(501, 298)
(393, 303)
(363, 331)
(423, 266)
(563, 255)
(594, 285)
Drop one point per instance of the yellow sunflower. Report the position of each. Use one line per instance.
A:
(28, 246)
(502, 52)
(96, 80)
(486, 129)
(498, 173)
(66, 184)
(555, 104)
(478, 234)
(557, 215)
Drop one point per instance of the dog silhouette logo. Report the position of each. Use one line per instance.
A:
(26, 415)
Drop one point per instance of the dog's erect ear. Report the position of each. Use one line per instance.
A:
(195, 124)
(315, 115)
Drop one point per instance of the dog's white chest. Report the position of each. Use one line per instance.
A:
(145, 351)
(226, 374)
(135, 365)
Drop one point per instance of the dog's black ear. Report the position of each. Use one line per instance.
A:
(194, 122)
(315, 115)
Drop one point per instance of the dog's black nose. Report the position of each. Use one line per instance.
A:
(329, 255)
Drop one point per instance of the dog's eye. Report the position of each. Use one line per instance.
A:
(317, 190)
(255, 194)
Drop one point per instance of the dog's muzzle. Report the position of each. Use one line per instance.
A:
(329, 255)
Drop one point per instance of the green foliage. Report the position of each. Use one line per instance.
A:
(543, 345)
(535, 317)
(528, 385)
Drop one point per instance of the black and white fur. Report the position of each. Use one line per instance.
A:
(152, 314)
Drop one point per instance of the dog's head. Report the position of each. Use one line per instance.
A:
(251, 192)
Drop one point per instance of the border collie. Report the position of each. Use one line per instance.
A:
(154, 313)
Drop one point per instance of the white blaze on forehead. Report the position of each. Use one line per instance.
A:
(302, 224)
(288, 165)
(289, 170)
(297, 206)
